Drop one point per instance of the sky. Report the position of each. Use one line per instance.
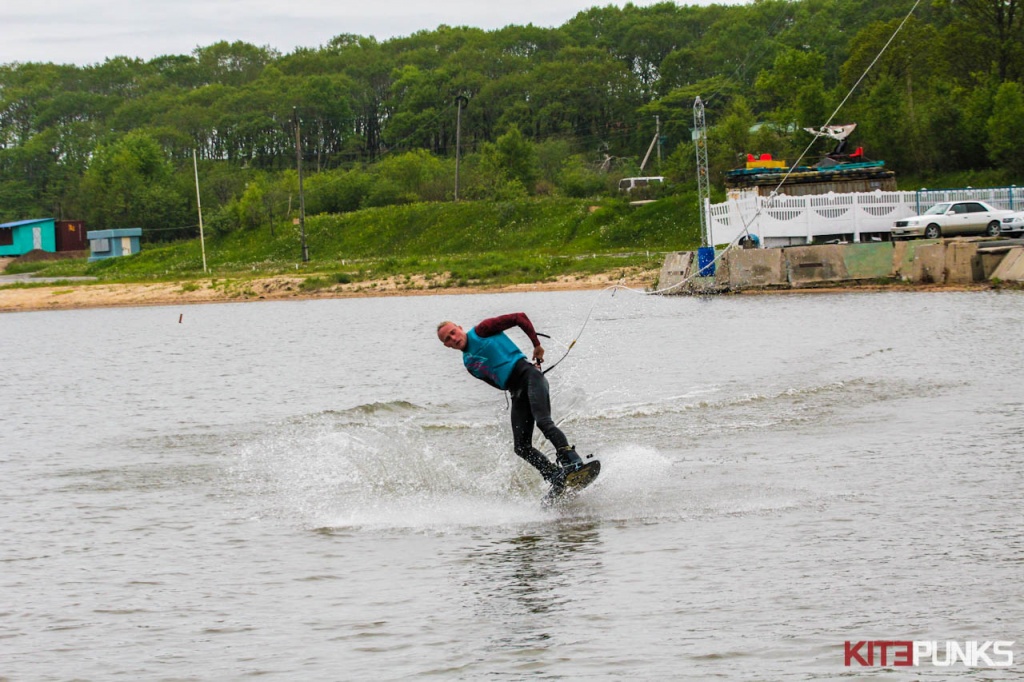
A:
(86, 32)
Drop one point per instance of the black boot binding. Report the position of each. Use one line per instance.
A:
(567, 458)
(568, 462)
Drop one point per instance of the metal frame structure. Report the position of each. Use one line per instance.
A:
(703, 181)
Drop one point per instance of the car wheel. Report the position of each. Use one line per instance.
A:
(932, 232)
(993, 229)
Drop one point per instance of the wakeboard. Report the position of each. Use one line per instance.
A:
(575, 481)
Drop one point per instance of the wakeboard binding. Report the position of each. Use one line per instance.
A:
(572, 477)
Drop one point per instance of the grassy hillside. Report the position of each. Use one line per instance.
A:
(528, 240)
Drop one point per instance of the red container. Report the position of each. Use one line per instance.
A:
(70, 235)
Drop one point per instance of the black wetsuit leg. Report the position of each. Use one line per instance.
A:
(531, 405)
(539, 394)
(522, 434)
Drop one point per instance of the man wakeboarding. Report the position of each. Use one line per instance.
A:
(491, 356)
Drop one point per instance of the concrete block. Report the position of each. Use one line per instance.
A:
(903, 259)
(990, 260)
(929, 264)
(722, 271)
(962, 263)
(903, 256)
(1011, 269)
(869, 261)
(675, 268)
(755, 268)
(808, 265)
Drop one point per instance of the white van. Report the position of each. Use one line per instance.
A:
(629, 184)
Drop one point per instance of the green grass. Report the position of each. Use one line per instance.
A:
(69, 267)
(476, 242)
(37, 285)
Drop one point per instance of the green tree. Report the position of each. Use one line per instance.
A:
(730, 140)
(415, 176)
(337, 191)
(511, 159)
(994, 31)
(794, 72)
(881, 122)
(578, 178)
(130, 184)
(234, 63)
(327, 118)
(252, 207)
(1003, 127)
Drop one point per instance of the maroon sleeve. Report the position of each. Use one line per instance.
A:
(496, 325)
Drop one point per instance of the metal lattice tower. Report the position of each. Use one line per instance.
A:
(700, 135)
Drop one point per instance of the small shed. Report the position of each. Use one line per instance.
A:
(18, 238)
(113, 243)
(71, 235)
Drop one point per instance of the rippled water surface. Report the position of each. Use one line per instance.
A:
(318, 490)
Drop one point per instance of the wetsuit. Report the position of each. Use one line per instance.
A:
(492, 357)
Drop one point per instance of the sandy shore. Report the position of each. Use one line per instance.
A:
(75, 295)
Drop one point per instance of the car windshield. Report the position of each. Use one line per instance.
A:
(938, 209)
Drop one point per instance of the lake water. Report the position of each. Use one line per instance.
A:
(319, 491)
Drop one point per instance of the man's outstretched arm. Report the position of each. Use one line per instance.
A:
(496, 325)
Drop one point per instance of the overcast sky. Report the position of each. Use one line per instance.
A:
(89, 31)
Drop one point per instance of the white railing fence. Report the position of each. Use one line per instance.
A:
(784, 220)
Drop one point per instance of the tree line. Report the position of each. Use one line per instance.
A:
(545, 111)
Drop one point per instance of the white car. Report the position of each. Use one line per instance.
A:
(1013, 224)
(951, 218)
(629, 184)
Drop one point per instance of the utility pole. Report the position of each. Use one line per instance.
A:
(655, 141)
(657, 124)
(460, 100)
(302, 202)
(199, 207)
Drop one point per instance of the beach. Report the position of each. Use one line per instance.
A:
(70, 295)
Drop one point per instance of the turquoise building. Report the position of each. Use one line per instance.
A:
(113, 243)
(20, 237)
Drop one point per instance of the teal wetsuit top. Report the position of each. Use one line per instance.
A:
(491, 358)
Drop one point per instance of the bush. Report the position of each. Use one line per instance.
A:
(413, 176)
(580, 181)
(337, 191)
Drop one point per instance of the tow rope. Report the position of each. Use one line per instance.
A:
(590, 312)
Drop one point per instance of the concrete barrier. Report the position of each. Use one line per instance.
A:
(753, 268)
(723, 271)
(806, 265)
(1011, 268)
(675, 268)
(918, 262)
(869, 261)
(990, 260)
(903, 255)
(929, 264)
(963, 266)
(902, 259)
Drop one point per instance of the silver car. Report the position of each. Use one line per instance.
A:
(951, 218)
(1013, 225)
